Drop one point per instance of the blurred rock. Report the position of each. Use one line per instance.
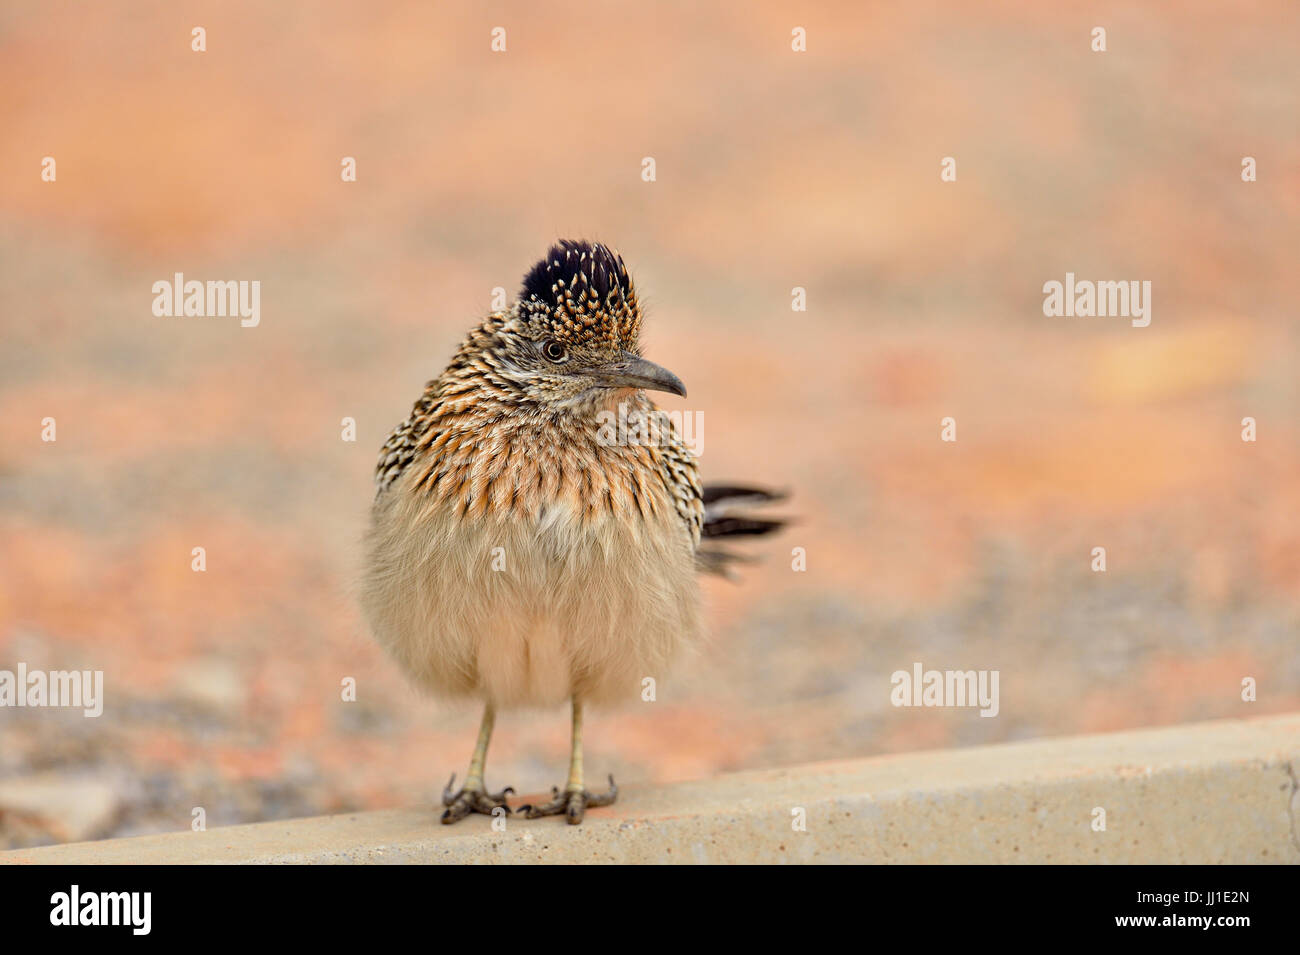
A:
(63, 807)
(211, 684)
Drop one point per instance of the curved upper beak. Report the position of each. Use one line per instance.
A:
(632, 371)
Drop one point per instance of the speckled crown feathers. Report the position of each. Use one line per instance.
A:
(582, 294)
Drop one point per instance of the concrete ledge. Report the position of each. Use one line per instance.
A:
(1205, 793)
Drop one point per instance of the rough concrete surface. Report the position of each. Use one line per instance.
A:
(1205, 793)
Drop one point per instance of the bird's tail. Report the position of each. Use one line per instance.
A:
(726, 514)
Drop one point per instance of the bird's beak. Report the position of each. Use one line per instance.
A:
(633, 371)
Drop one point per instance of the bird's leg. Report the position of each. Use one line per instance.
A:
(575, 799)
(473, 796)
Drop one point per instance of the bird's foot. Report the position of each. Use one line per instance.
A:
(472, 798)
(572, 803)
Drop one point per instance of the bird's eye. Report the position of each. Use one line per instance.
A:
(554, 351)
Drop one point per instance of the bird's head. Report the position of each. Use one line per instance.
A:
(577, 330)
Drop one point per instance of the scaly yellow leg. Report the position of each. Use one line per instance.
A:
(575, 799)
(473, 797)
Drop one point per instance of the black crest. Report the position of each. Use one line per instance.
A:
(579, 265)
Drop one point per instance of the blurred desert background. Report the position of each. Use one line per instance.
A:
(775, 169)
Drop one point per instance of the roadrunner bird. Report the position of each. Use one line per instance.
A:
(517, 554)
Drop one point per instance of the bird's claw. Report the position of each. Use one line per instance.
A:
(572, 804)
(472, 799)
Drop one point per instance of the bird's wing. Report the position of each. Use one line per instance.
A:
(401, 447)
(681, 476)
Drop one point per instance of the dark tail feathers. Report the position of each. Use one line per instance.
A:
(724, 516)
